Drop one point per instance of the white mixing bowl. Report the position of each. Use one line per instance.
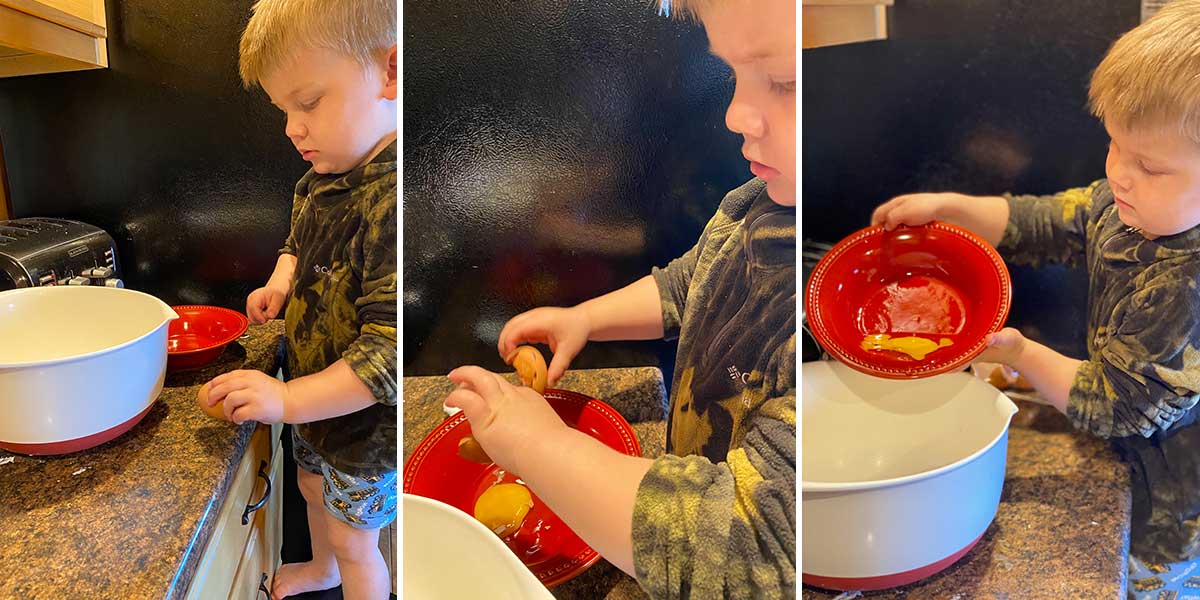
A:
(79, 365)
(449, 555)
(900, 478)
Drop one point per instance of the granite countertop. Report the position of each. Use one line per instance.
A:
(129, 518)
(1062, 528)
(636, 393)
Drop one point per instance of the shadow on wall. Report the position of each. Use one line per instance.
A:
(973, 96)
(190, 174)
(552, 152)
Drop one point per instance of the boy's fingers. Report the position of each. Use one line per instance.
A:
(473, 405)
(521, 334)
(563, 356)
(234, 401)
(478, 379)
(219, 392)
(273, 307)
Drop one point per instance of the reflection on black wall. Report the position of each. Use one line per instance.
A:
(191, 174)
(976, 96)
(553, 151)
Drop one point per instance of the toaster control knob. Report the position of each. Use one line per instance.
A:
(46, 279)
(79, 281)
(114, 283)
(101, 273)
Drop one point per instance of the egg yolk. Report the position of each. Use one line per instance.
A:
(502, 508)
(913, 346)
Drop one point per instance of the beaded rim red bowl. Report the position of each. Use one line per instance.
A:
(201, 333)
(934, 281)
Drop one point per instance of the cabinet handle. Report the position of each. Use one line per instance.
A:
(262, 472)
(262, 587)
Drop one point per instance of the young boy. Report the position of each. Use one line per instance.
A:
(330, 67)
(1138, 234)
(716, 516)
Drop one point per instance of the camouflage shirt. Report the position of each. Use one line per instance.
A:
(343, 305)
(716, 517)
(1140, 382)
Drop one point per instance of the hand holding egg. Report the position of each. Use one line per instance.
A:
(216, 411)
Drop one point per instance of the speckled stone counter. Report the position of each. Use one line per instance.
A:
(636, 393)
(1062, 528)
(128, 519)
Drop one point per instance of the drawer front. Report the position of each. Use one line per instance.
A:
(250, 580)
(219, 563)
(262, 550)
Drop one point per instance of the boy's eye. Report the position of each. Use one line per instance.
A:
(783, 87)
(310, 105)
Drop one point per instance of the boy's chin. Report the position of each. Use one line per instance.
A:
(325, 168)
(781, 192)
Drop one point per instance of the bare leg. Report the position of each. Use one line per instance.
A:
(364, 572)
(321, 573)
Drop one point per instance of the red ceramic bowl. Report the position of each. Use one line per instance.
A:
(200, 334)
(544, 543)
(934, 281)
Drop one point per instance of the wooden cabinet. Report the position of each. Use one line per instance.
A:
(239, 555)
(49, 36)
(831, 22)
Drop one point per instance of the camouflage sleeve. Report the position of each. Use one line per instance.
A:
(673, 282)
(1146, 375)
(372, 355)
(1047, 229)
(705, 530)
(675, 279)
(299, 199)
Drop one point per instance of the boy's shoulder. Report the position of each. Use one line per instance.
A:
(738, 201)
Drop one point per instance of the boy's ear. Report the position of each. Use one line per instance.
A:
(390, 85)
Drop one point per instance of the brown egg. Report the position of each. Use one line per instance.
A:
(217, 411)
(469, 449)
(530, 367)
(998, 379)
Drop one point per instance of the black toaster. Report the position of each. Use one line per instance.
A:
(44, 251)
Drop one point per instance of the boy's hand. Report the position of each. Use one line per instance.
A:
(504, 418)
(1004, 346)
(263, 304)
(913, 209)
(565, 330)
(249, 396)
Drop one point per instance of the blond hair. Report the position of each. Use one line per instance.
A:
(1150, 78)
(278, 29)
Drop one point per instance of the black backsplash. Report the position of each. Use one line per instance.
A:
(553, 151)
(976, 96)
(191, 174)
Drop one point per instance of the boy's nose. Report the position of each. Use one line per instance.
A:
(745, 119)
(294, 129)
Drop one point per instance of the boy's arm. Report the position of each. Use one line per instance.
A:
(679, 523)
(1049, 229)
(330, 393)
(1144, 377)
(643, 515)
(633, 312)
(1049, 372)
(285, 270)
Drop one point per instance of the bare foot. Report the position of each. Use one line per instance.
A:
(298, 578)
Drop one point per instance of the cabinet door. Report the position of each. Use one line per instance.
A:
(251, 578)
(219, 562)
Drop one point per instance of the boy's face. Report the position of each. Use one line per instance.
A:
(339, 114)
(1155, 177)
(758, 40)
